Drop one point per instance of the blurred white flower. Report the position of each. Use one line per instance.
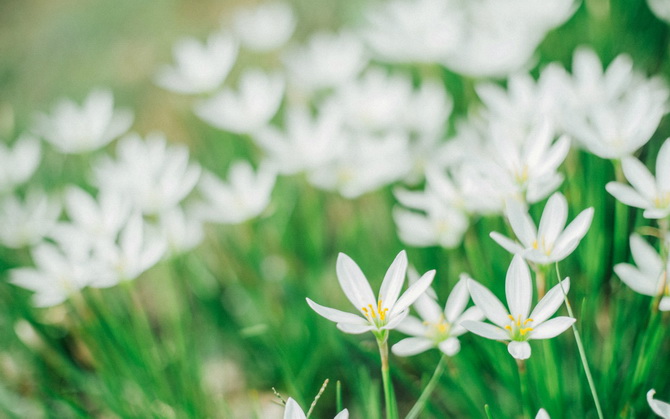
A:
(25, 223)
(428, 109)
(293, 411)
(245, 195)
(552, 241)
(659, 407)
(661, 9)
(363, 165)
(264, 27)
(249, 109)
(99, 218)
(648, 278)
(381, 314)
(199, 68)
(307, 143)
(182, 229)
(423, 31)
(437, 328)
(542, 414)
(649, 193)
(327, 60)
(516, 325)
(151, 174)
(72, 129)
(18, 163)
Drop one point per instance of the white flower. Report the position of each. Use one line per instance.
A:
(101, 218)
(307, 143)
(247, 110)
(264, 27)
(414, 31)
(27, 223)
(437, 328)
(182, 230)
(661, 9)
(18, 163)
(648, 278)
(73, 129)
(199, 67)
(661, 408)
(542, 414)
(428, 110)
(327, 60)
(552, 241)
(649, 193)
(379, 314)
(293, 411)
(516, 325)
(244, 196)
(151, 174)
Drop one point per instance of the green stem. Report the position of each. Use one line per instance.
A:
(428, 390)
(523, 383)
(389, 394)
(580, 348)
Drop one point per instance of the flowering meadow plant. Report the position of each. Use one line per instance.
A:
(220, 209)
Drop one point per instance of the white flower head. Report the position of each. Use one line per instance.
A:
(256, 101)
(26, 222)
(199, 68)
(646, 191)
(659, 407)
(264, 27)
(181, 228)
(99, 218)
(378, 314)
(18, 163)
(516, 325)
(552, 241)
(72, 129)
(437, 327)
(294, 411)
(648, 278)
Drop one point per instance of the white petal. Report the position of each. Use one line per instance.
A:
(553, 219)
(518, 288)
(508, 244)
(664, 305)
(354, 329)
(551, 328)
(521, 223)
(393, 280)
(412, 326)
(542, 414)
(550, 302)
(663, 167)
(639, 177)
(428, 308)
(659, 407)
(353, 282)
(412, 346)
(450, 346)
(486, 330)
(627, 195)
(645, 255)
(473, 313)
(293, 411)
(395, 320)
(573, 234)
(337, 316)
(519, 350)
(457, 300)
(342, 415)
(637, 280)
(413, 292)
(488, 303)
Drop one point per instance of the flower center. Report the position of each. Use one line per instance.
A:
(518, 329)
(542, 244)
(438, 331)
(375, 315)
(662, 200)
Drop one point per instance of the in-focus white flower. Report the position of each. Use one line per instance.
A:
(307, 143)
(379, 314)
(247, 110)
(18, 163)
(72, 129)
(25, 223)
(649, 193)
(199, 68)
(264, 27)
(293, 411)
(437, 327)
(659, 407)
(327, 60)
(151, 174)
(661, 9)
(516, 325)
(99, 218)
(649, 277)
(245, 195)
(552, 241)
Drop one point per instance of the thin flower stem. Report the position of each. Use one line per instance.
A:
(580, 348)
(523, 383)
(488, 411)
(428, 390)
(338, 395)
(389, 394)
